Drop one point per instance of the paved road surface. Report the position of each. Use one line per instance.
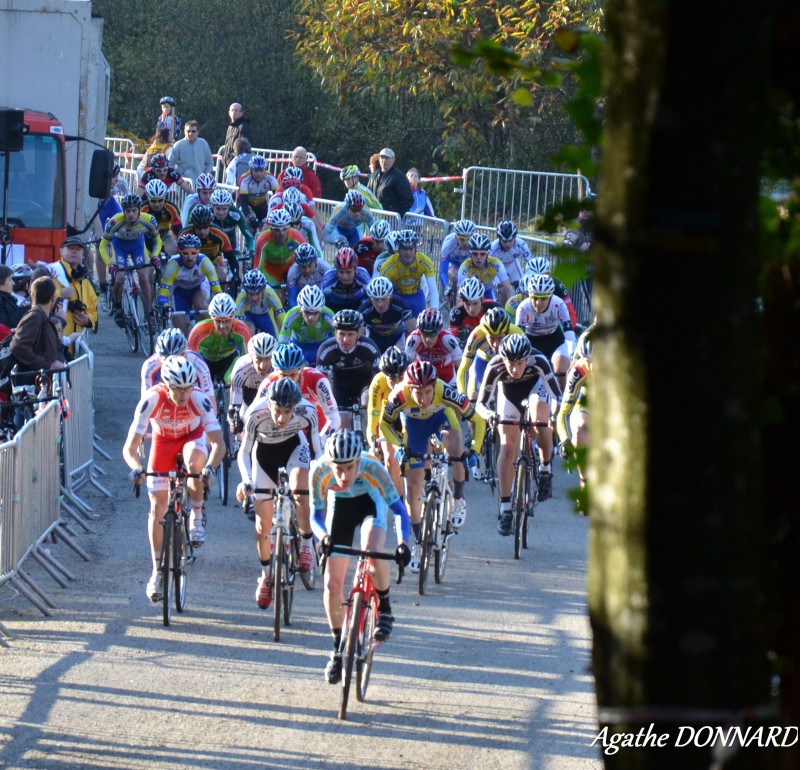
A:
(490, 670)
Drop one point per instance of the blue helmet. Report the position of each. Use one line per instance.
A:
(288, 357)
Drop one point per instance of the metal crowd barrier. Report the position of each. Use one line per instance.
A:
(325, 208)
(276, 161)
(124, 149)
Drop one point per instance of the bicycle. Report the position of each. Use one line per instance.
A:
(491, 450)
(358, 643)
(176, 551)
(356, 411)
(140, 329)
(231, 445)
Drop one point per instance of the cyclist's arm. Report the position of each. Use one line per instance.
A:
(318, 490)
(377, 396)
(247, 233)
(210, 272)
(390, 412)
(487, 390)
(330, 409)
(433, 291)
(402, 521)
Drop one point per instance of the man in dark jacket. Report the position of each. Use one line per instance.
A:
(10, 310)
(36, 344)
(238, 127)
(390, 185)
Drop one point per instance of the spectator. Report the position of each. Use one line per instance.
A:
(240, 164)
(374, 162)
(36, 344)
(10, 310)
(168, 119)
(67, 340)
(238, 128)
(422, 203)
(310, 178)
(390, 185)
(74, 288)
(22, 285)
(191, 156)
(159, 144)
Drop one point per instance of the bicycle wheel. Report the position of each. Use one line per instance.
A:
(309, 578)
(166, 567)
(533, 491)
(289, 572)
(349, 653)
(364, 665)
(223, 471)
(278, 567)
(427, 538)
(147, 340)
(181, 561)
(519, 501)
(131, 322)
(446, 535)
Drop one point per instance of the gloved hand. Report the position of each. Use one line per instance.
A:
(136, 476)
(242, 491)
(207, 474)
(402, 555)
(324, 546)
(565, 450)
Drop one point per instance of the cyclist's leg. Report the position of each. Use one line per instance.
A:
(195, 455)
(341, 522)
(579, 431)
(560, 362)
(146, 283)
(509, 441)
(182, 304)
(169, 244)
(373, 538)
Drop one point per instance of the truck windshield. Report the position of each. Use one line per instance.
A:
(35, 183)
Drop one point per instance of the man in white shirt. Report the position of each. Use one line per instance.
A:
(191, 156)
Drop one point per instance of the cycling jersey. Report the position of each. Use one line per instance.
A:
(462, 322)
(176, 275)
(379, 391)
(214, 245)
(273, 260)
(170, 421)
(349, 373)
(453, 254)
(575, 395)
(245, 381)
(266, 315)
(188, 205)
(307, 337)
(235, 222)
(253, 195)
(350, 224)
(218, 352)
(387, 328)
(130, 239)
(173, 177)
(340, 297)
(560, 292)
(316, 389)
(407, 279)
(169, 223)
(515, 259)
(367, 253)
(492, 272)
(151, 372)
(444, 354)
(549, 329)
(295, 280)
(477, 350)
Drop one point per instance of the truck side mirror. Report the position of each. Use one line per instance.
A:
(100, 174)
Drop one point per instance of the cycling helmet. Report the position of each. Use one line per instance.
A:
(131, 201)
(380, 230)
(201, 216)
(354, 198)
(159, 160)
(585, 343)
(393, 362)
(391, 242)
(479, 242)
(345, 258)
(349, 172)
(515, 347)
(293, 210)
(257, 162)
(344, 446)
(464, 228)
(538, 265)
(155, 188)
(292, 195)
(420, 373)
(262, 345)
(171, 342)
(506, 230)
(189, 241)
(205, 182)
(167, 100)
(541, 285)
(221, 197)
(279, 219)
(284, 392)
(311, 299)
(293, 172)
(254, 281)
(305, 254)
(348, 320)
(178, 372)
(430, 321)
(472, 289)
(406, 238)
(496, 321)
(288, 357)
(380, 287)
(21, 275)
(115, 169)
(222, 306)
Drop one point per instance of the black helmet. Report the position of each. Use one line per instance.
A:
(201, 216)
(349, 320)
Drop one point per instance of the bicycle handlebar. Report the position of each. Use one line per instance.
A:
(345, 550)
(137, 488)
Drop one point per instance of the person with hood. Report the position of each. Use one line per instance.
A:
(238, 127)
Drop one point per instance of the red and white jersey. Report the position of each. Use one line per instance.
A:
(170, 420)
(316, 389)
(444, 354)
(151, 372)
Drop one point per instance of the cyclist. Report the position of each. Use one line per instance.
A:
(521, 295)
(455, 249)
(390, 246)
(350, 361)
(229, 219)
(545, 319)
(309, 323)
(169, 223)
(248, 373)
(410, 271)
(511, 250)
(489, 270)
(289, 361)
(387, 318)
(305, 226)
(517, 374)
(308, 270)
(391, 368)
(465, 316)
(431, 342)
(131, 235)
(541, 265)
(221, 339)
(345, 286)
(258, 305)
(363, 495)
(172, 342)
(370, 247)
(275, 249)
(351, 219)
(255, 186)
(350, 178)
(426, 406)
(213, 242)
(278, 430)
(206, 185)
(184, 422)
(160, 168)
(190, 277)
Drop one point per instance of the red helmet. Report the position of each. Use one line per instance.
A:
(345, 258)
(159, 160)
(421, 373)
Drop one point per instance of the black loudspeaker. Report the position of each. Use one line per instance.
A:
(12, 130)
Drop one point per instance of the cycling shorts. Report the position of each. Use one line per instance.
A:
(183, 299)
(416, 302)
(135, 250)
(262, 322)
(418, 432)
(164, 451)
(268, 458)
(509, 400)
(346, 514)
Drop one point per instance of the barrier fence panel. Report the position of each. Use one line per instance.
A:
(8, 493)
(493, 194)
(277, 160)
(325, 207)
(124, 149)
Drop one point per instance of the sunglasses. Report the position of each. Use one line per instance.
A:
(191, 130)
(541, 296)
(189, 253)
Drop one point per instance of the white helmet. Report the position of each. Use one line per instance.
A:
(221, 197)
(311, 298)
(155, 188)
(262, 345)
(279, 218)
(222, 306)
(538, 265)
(472, 289)
(380, 287)
(178, 372)
(464, 228)
(344, 446)
(541, 285)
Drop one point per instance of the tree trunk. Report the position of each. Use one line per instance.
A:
(676, 539)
